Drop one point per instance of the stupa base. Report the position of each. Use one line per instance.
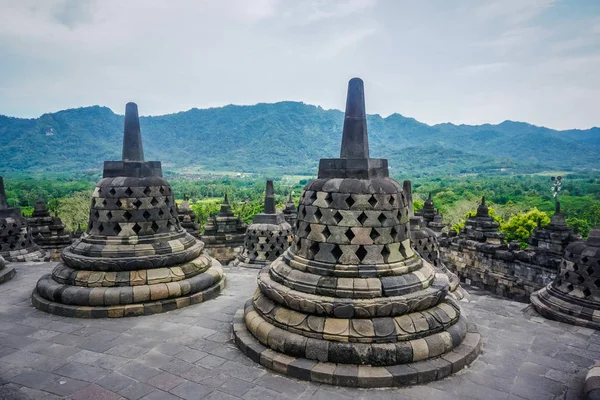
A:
(238, 262)
(129, 310)
(26, 255)
(459, 293)
(7, 274)
(223, 253)
(358, 375)
(558, 309)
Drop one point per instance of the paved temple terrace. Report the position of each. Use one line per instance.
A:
(189, 353)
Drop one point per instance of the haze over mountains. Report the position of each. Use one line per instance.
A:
(287, 137)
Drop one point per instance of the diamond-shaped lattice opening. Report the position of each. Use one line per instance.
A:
(589, 270)
(307, 229)
(350, 201)
(128, 192)
(361, 253)
(127, 215)
(117, 229)
(587, 292)
(318, 214)
(155, 226)
(569, 287)
(362, 218)
(161, 213)
(313, 196)
(597, 283)
(109, 215)
(328, 199)
(337, 252)
(326, 233)
(567, 275)
(575, 267)
(100, 227)
(338, 217)
(385, 252)
(104, 202)
(392, 200)
(112, 191)
(147, 191)
(12, 246)
(137, 203)
(118, 203)
(584, 259)
(161, 190)
(136, 228)
(154, 202)
(303, 212)
(268, 240)
(349, 234)
(372, 201)
(580, 279)
(146, 215)
(314, 248)
(382, 218)
(96, 214)
(167, 200)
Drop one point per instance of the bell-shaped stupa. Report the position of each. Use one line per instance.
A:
(290, 212)
(482, 227)
(351, 303)
(267, 237)
(135, 258)
(224, 234)
(425, 242)
(187, 217)
(574, 296)
(48, 231)
(6, 273)
(16, 242)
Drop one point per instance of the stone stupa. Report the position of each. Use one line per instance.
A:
(224, 234)
(187, 218)
(6, 273)
(135, 258)
(351, 303)
(267, 237)
(482, 227)
(48, 231)
(574, 296)
(425, 242)
(16, 242)
(290, 212)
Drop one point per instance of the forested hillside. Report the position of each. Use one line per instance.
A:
(290, 137)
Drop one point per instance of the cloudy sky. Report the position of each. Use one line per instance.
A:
(463, 61)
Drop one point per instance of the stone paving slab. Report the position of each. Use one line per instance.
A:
(190, 354)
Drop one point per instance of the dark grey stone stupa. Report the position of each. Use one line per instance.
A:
(350, 303)
(187, 218)
(224, 234)
(16, 242)
(290, 212)
(267, 237)
(48, 231)
(134, 258)
(574, 296)
(425, 242)
(482, 227)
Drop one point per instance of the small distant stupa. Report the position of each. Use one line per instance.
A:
(224, 234)
(48, 231)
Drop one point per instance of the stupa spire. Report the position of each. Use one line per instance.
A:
(355, 139)
(133, 149)
(226, 201)
(3, 201)
(269, 198)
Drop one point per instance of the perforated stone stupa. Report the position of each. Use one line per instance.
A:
(187, 218)
(290, 213)
(224, 234)
(482, 227)
(6, 273)
(351, 303)
(48, 231)
(425, 242)
(574, 296)
(135, 258)
(16, 243)
(267, 237)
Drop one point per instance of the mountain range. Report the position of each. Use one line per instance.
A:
(287, 137)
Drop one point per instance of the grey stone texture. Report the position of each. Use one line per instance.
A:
(6, 273)
(187, 218)
(504, 268)
(350, 303)
(431, 217)
(16, 242)
(267, 238)
(48, 231)
(135, 258)
(290, 212)
(524, 356)
(224, 234)
(574, 296)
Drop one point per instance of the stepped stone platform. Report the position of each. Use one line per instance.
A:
(189, 353)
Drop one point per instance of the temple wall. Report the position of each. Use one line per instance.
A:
(502, 270)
